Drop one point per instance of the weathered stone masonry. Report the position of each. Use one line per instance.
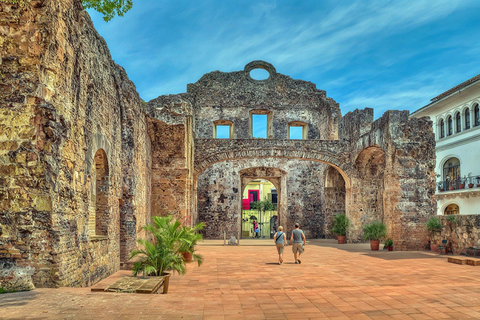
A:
(85, 163)
(62, 100)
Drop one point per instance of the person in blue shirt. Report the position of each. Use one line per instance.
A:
(280, 242)
(298, 239)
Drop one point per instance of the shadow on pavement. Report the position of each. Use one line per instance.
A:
(364, 248)
(16, 299)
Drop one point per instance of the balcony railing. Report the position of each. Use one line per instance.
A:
(459, 184)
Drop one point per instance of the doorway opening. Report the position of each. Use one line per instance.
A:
(259, 209)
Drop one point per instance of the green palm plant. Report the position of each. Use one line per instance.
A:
(163, 253)
(340, 224)
(374, 231)
(189, 239)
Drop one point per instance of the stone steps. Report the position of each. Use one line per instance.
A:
(466, 260)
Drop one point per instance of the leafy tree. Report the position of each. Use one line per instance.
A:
(109, 8)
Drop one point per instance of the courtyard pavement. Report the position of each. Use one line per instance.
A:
(244, 282)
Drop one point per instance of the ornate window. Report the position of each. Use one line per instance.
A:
(452, 209)
(467, 119)
(442, 128)
(458, 123)
(476, 112)
(449, 126)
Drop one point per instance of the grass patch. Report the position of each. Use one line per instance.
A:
(3, 290)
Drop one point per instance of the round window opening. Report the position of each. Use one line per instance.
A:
(259, 74)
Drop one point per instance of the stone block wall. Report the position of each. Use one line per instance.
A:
(220, 195)
(62, 99)
(171, 134)
(462, 233)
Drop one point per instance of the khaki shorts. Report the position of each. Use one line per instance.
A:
(297, 247)
(280, 247)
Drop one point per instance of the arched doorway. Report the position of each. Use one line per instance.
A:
(335, 195)
(259, 209)
(220, 183)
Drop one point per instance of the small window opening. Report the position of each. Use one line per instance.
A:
(259, 126)
(449, 126)
(259, 74)
(476, 112)
(442, 129)
(295, 133)
(297, 130)
(467, 119)
(458, 122)
(222, 132)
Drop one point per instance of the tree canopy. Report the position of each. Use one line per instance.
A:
(109, 8)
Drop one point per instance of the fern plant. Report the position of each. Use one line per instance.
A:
(163, 253)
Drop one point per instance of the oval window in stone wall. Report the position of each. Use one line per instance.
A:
(259, 74)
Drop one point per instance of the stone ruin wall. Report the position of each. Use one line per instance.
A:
(231, 96)
(397, 153)
(63, 98)
(220, 195)
(170, 129)
(462, 233)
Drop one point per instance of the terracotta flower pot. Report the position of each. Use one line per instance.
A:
(434, 247)
(390, 248)
(450, 188)
(470, 185)
(341, 239)
(374, 244)
(187, 256)
(461, 186)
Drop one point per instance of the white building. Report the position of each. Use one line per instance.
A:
(456, 123)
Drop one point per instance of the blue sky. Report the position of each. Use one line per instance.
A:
(379, 54)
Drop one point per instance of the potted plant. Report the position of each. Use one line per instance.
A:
(434, 225)
(374, 232)
(461, 185)
(339, 227)
(162, 254)
(470, 181)
(189, 240)
(388, 245)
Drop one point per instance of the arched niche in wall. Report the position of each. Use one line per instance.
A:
(369, 171)
(335, 193)
(99, 217)
(452, 208)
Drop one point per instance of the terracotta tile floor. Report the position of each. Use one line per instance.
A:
(333, 282)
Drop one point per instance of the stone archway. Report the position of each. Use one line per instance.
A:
(275, 176)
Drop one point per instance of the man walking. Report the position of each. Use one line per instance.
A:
(298, 239)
